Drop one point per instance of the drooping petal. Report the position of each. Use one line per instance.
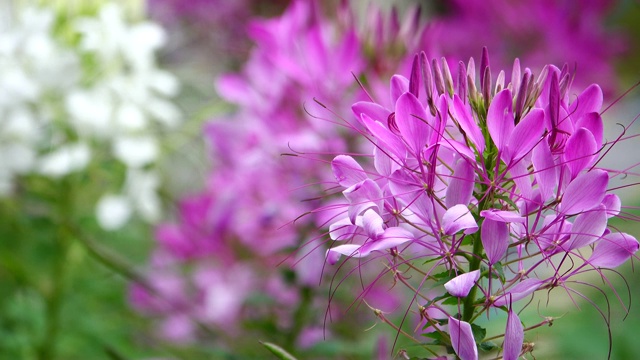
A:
(411, 119)
(519, 291)
(462, 339)
(460, 285)
(461, 186)
(459, 218)
(363, 196)
(513, 337)
(343, 229)
(372, 110)
(399, 86)
(587, 228)
(579, 151)
(590, 100)
(350, 250)
(546, 173)
(347, 171)
(585, 192)
(495, 239)
(613, 250)
(613, 204)
(392, 237)
(503, 216)
(593, 122)
(500, 119)
(526, 134)
(386, 139)
(462, 113)
(372, 224)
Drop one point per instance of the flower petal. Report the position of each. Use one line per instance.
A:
(460, 285)
(613, 250)
(462, 339)
(372, 224)
(613, 204)
(513, 337)
(495, 239)
(546, 173)
(585, 192)
(519, 292)
(461, 186)
(386, 139)
(590, 100)
(579, 151)
(500, 119)
(587, 228)
(459, 218)
(363, 196)
(593, 122)
(526, 134)
(350, 250)
(501, 215)
(411, 120)
(372, 110)
(347, 171)
(462, 113)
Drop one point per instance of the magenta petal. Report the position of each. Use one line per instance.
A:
(519, 292)
(461, 186)
(372, 224)
(462, 339)
(587, 228)
(392, 237)
(386, 139)
(462, 113)
(495, 239)
(500, 118)
(363, 196)
(347, 171)
(343, 230)
(589, 101)
(513, 337)
(372, 110)
(501, 215)
(613, 250)
(411, 119)
(546, 173)
(350, 250)
(593, 122)
(613, 204)
(526, 134)
(411, 193)
(399, 86)
(579, 151)
(460, 285)
(459, 218)
(585, 192)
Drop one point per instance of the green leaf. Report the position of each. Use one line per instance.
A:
(488, 346)
(451, 301)
(478, 332)
(278, 351)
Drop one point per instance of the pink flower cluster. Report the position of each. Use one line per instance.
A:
(493, 180)
(227, 240)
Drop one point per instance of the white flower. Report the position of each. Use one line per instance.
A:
(64, 160)
(136, 151)
(113, 211)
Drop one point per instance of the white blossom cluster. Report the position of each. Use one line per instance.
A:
(64, 103)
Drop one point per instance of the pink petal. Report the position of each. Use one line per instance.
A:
(460, 189)
(363, 196)
(411, 193)
(589, 101)
(372, 224)
(501, 215)
(462, 339)
(392, 237)
(495, 239)
(613, 250)
(347, 171)
(546, 173)
(526, 134)
(459, 218)
(350, 250)
(462, 113)
(513, 337)
(579, 151)
(592, 122)
(411, 119)
(343, 229)
(399, 86)
(386, 139)
(500, 118)
(372, 110)
(585, 192)
(519, 292)
(613, 204)
(587, 228)
(460, 285)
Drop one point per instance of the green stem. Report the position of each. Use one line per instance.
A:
(474, 264)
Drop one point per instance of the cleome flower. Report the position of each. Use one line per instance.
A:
(488, 183)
